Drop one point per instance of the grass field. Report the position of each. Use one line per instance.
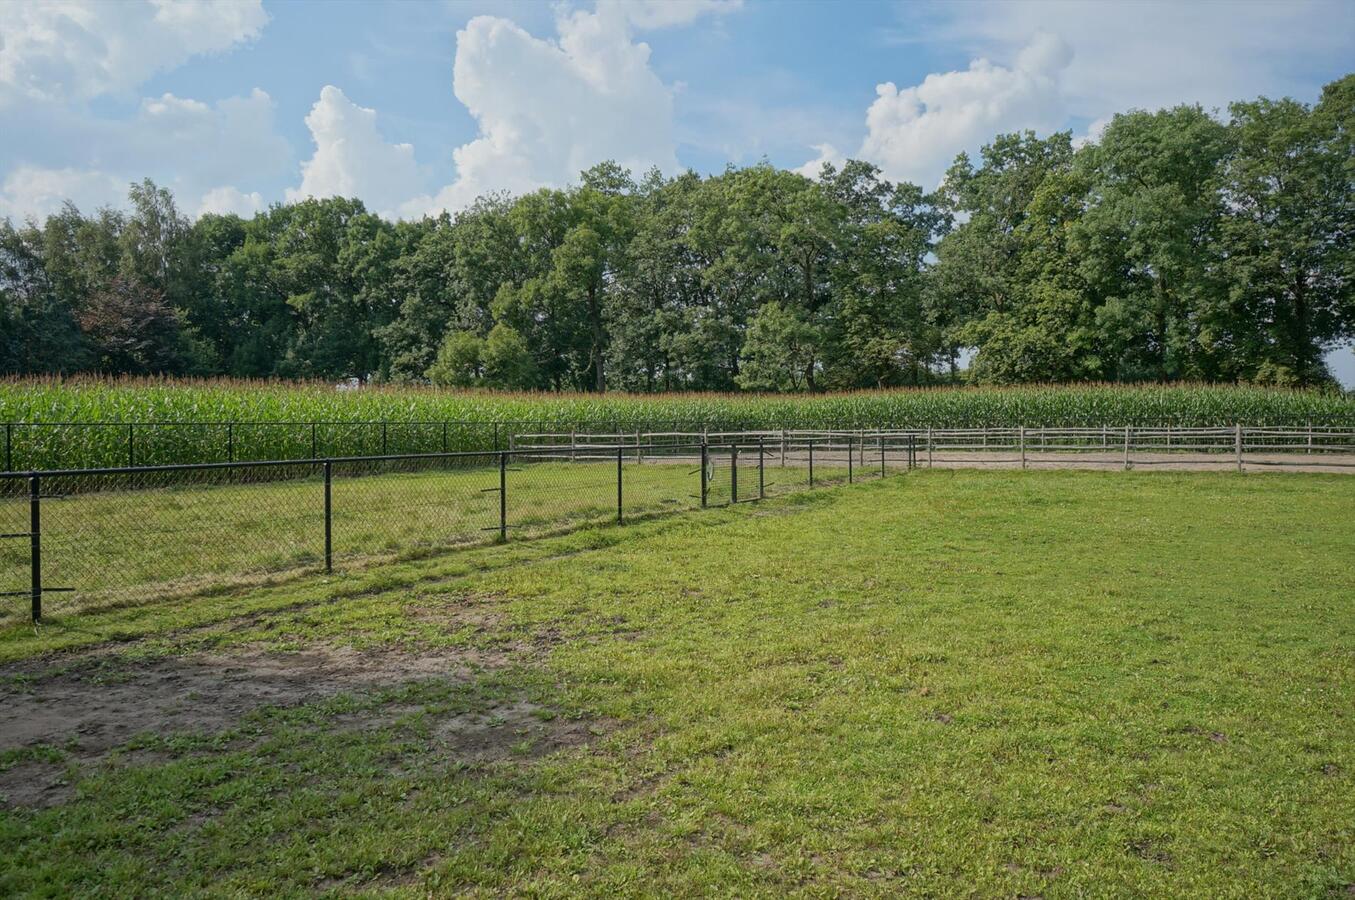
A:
(950, 682)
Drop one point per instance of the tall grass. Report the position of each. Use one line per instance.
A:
(182, 406)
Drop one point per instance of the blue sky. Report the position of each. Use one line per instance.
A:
(418, 107)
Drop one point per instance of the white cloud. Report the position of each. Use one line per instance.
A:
(352, 159)
(55, 55)
(226, 199)
(1155, 53)
(547, 110)
(827, 154)
(63, 50)
(1088, 61)
(31, 191)
(914, 133)
(186, 145)
(204, 145)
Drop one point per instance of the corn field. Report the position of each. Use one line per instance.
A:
(179, 421)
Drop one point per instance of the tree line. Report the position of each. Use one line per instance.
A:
(1176, 246)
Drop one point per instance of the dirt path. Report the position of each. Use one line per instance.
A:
(1106, 460)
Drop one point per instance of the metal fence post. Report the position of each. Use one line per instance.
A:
(35, 543)
(761, 471)
(618, 484)
(9, 447)
(703, 474)
(230, 442)
(313, 442)
(733, 473)
(131, 446)
(811, 462)
(503, 496)
(1237, 442)
(329, 518)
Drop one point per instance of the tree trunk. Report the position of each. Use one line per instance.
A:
(1161, 323)
(595, 320)
(1303, 347)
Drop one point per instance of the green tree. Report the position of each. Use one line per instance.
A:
(1286, 234)
(980, 284)
(508, 360)
(1148, 239)
(780, 352)
(459, 362)
(38, 331)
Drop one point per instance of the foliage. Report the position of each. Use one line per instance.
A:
(1176, 246)
(460, 360)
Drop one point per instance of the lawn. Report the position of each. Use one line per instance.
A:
(949, 682)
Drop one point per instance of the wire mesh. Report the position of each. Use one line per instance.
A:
(396, 506)
(119, 535)
(550, 491)
(660, 478)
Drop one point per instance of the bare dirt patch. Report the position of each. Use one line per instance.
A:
(519, 729)
(90, 706)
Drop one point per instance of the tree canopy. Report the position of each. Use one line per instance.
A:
(1178, 245)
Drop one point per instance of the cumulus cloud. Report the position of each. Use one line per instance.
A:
(1155, 53)
(352, 159)
(913, 133)
(56, 55)
(548, 109)
(226, 200)
(61, 50)
(205, 144)
(187, 145)
(828, 154)
(35, 192)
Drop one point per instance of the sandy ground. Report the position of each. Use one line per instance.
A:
(1011, 459)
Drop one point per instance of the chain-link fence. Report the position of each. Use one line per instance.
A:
(83, 538)
(73, 540)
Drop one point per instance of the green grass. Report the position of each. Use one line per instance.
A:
(991, 683)
(184, 405)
